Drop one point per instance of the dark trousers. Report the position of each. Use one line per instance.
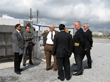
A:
(63, 63)
(87, 53)
(79, 63)
(28, 51)
(17, 61)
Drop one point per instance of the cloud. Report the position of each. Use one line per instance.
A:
(7, 17)
(60, 11)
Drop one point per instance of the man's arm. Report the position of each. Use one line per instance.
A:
(82, 39)
(15, 40)
(70, 45)
(89, 36)
(28, 38)
(32, 36)
(55, 45)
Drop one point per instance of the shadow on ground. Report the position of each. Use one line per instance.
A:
(7, 59)
(36, 62)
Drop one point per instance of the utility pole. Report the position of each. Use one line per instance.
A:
(30, 14)
(37, 16)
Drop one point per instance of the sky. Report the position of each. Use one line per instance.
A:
(56, 12)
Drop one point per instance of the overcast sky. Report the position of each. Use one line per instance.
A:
(61, 11)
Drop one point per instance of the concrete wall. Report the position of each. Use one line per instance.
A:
(6, 39)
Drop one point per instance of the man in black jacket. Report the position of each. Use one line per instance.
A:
(89, 42)
(62, 51)
(77, 46)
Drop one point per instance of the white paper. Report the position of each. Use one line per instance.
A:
(20, 52)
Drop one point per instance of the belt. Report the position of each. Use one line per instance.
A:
(50, 44)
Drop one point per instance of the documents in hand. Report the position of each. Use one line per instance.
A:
(20, 52)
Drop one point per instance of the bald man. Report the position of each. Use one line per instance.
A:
(48, 48)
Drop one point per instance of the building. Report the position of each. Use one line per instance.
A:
(12, 21)
(101, 33)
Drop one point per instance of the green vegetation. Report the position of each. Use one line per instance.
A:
(101, 37)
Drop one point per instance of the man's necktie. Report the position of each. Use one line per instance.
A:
(20, 34)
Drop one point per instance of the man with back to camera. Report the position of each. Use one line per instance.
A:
(78, 46)
(61, 50)
(29, 43)
(18, 46)
(89, 42)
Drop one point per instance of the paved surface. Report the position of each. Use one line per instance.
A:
(100, 71)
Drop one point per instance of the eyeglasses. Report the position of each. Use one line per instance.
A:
(50, 28)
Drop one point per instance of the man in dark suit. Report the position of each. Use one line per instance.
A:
(77, 46)
(18, 46)
(89, 42)
(61, 50)
(48, 48)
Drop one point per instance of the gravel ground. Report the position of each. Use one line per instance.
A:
(99, 73)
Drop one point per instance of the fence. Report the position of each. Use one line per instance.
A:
(39, 48)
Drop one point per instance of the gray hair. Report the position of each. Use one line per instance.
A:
(87, 24)
(79, 22)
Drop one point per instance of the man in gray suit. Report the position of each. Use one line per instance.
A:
(18, 46)
(29, 43)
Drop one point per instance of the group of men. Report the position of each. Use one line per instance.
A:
(61, 45)
(22, 46)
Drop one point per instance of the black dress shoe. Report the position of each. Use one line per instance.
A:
(75, 70)
(74, 64)
(20, 69)
(55, 69)
(77, 74)
(60, 79)
(87, 67)
(18, 72)
(31, 63)
(24, 64)
(68, 78)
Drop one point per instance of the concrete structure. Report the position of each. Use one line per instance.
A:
(7, 26)
(101, 33)
(7, 21)
(6, 39)
(97, 33)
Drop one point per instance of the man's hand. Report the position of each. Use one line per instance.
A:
(23, 47)
(27, 37)
(85, 49)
